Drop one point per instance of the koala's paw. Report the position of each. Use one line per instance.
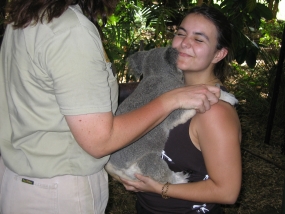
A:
(131, 171)
(127, 173)
(179, 177)
(228, 97)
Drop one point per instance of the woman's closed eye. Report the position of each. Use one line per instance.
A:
(199, 39)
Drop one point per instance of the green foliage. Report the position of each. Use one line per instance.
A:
(254, 87)
(158, 17)
(122, 35)
(253, 84)
(245, 16)
(134, 27)
(271, 32)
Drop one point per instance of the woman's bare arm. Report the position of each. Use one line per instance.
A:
(100, 134)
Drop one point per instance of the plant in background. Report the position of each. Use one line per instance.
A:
(245, 16)
(254, 86)
(271, 33)
(135, 27)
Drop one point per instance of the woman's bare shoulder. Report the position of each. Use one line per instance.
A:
(218, 111)
(221, 118)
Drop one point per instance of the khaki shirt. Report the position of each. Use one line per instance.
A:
(48, 71)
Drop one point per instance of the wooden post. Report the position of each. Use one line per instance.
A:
(283, 200)
(274, 101)
(275, 90)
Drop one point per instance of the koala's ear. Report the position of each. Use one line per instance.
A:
(170, 57)
(135, 63)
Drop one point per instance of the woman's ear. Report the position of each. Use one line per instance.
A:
(219, 55)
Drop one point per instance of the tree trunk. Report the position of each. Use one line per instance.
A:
(273, 6)
(275, 90)
(275, 9)
(270, 4)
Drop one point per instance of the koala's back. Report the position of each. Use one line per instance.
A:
(159, 76)
(147, 90)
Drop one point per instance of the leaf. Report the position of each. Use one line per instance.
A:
(264, 11)
(250, 5)
(227, 3)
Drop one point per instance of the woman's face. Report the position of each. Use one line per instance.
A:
(196, 42)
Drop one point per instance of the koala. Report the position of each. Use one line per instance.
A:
(160, 74)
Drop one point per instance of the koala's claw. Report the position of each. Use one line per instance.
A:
(179, 177)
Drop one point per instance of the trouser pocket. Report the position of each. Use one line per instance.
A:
(22, 195)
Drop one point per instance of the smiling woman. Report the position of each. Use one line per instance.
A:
(207, 147)
(197, 45)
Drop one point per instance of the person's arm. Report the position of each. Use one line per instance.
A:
(219, 135)
(100, 134)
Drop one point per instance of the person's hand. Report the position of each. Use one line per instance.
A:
(198, 97)
(143, 184)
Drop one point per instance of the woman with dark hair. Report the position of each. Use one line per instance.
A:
(57, 98)
(207, 147)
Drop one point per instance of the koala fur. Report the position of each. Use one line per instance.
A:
(160, 74)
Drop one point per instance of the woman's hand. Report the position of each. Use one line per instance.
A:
(143, 184)
(198, 97)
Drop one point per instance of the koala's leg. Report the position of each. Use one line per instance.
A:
(153, 166)
(126, 173)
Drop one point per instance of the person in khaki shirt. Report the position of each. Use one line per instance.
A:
(58, 96)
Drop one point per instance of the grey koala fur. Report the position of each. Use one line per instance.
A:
(160, 74)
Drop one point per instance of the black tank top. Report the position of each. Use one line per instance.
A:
(180, 155)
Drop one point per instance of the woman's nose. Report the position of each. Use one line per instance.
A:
(185, 43)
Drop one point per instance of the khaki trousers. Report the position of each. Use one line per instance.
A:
(58, 195)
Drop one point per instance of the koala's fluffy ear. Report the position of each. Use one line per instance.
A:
(170, 57)
(135, 63)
